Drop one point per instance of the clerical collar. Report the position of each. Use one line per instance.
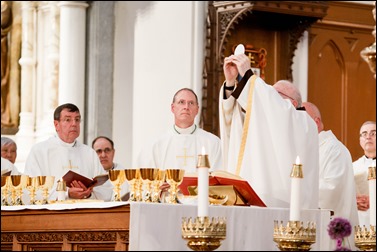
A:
(73, 144)
(369, 157)
(189, 130)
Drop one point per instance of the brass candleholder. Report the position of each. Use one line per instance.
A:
(203, 161)
(365, 240)
(204, 234)
(294, 237)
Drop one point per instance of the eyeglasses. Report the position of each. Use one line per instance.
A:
(365, 134)
(106, 151)
(183, 103)
(69, 120)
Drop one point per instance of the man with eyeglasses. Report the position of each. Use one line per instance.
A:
(63, 152)
(262, 133)
(105, 150)
(367, 138)
(180, 146)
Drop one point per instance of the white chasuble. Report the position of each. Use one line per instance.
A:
(54, 157)
(276, 134)
(180, 151)
(360, 169)
(336, 181)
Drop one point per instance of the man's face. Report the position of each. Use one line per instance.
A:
(185, 108)
(368, 137)
(105, 152)
(68, 126)
(9, 151)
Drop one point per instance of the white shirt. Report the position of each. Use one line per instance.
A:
(336, 181)
(53, 157)
(360, 169)
(8, 166)
(179, 149)
(277, 134)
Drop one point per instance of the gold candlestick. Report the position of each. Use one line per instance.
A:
(294, 237)
(204, 234)
(365, 239)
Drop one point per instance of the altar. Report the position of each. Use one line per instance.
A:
(158, 226)
(100, 226)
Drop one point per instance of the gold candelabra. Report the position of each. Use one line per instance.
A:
(365, 239)
(204, 234)
(294, 237)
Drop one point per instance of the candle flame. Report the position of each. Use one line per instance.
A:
(297, 160)
(203, 150)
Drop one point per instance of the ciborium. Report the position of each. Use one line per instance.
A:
(133, 179)
(32, 186)
(156, 190)
(117, 178)
(45, 183)
(148, 176)
(174, 178)
(17, 182)
(294, 236)
(204, 234)
(5, 185)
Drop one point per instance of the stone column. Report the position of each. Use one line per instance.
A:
(25, 135)
(72, 54)
(48, 68)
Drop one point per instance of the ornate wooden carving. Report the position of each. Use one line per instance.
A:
(291, 18)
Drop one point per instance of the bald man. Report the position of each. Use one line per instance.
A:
(336, 180)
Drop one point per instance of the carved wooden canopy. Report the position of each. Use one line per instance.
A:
(227, 21)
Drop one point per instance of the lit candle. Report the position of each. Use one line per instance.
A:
(372, 195)
(203, 181)
(296, 175)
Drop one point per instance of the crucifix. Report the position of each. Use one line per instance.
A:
(184, 156)
(70, 166)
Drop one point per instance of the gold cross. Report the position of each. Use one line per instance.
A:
(70, 166)
(184, 156)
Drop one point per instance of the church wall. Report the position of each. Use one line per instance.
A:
(158, 50)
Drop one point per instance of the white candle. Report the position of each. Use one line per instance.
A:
(294, 214)
(203, 181)
(372, 199)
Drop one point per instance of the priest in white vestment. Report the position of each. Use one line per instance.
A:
(360, 166)
(262, 145)
(105, 150)
(180, 146)
(63, 152)
(337, 189)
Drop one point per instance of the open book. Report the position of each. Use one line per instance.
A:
(96, 181)
(361, 182)
(237, 189)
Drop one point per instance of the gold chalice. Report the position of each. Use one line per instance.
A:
(5, 185)
(133, 177)
(174, 178)
(18, 183)
(45, 183)
(32, 186)
(148, 175)
(156, 191)
(117, 178)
